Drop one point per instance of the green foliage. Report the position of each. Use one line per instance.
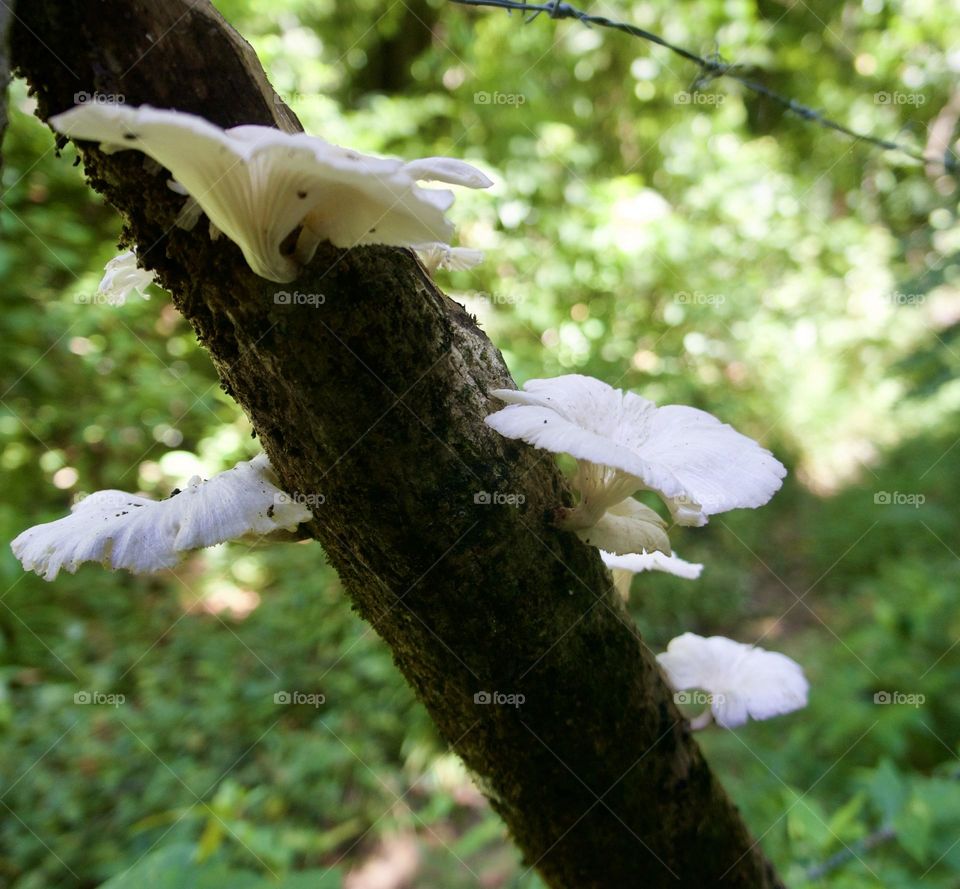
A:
(711, 251)
(174, 867)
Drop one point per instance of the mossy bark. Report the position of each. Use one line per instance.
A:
(374, 399)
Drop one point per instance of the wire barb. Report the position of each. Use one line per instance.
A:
(711, 68)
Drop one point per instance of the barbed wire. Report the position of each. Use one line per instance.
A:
(854, 850)
(712, 68)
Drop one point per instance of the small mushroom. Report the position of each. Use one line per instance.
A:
(442, 256)
(122, 276)
(626, 565)
(258, 185)
(140, 535)
(741, 681)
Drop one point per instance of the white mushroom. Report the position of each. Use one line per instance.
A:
(623, 567)
(624, 443)
(626, 527)
(449, 170)
(122, 276)
(122, 530)
(741, 681)
(442, 256)
(636, 563)
(258, 185)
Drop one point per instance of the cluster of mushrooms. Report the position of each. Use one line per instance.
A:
(257, 186)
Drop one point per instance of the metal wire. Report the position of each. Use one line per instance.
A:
(712, 68)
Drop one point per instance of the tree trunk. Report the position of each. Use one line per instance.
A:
(375, 400)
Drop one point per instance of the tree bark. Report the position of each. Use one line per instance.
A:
(375, 400)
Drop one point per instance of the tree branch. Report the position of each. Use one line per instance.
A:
(375, 400)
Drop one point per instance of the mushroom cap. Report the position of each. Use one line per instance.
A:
(122, 276)
(258, 184)
(628, 527)
(449, 170)
(140, 535)
(442, 256)
(699, 465)
(636, 563)
(744, 681)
